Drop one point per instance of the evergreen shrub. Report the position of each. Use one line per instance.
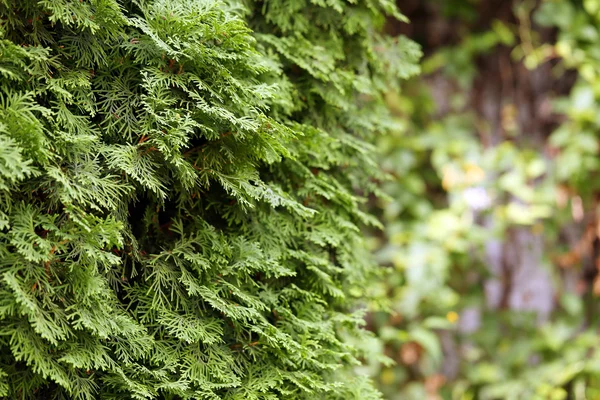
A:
(181, 192)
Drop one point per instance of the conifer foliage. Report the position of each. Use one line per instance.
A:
(178, 207)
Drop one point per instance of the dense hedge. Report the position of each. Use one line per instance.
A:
(178, 216)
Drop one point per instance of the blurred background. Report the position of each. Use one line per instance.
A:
(491, 241)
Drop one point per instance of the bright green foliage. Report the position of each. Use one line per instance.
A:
(177, 196)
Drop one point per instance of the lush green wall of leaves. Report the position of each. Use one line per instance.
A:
(182, 184)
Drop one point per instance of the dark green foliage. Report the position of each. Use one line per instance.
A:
(177, 196)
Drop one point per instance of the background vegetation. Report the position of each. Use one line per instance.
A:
(491, 237)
